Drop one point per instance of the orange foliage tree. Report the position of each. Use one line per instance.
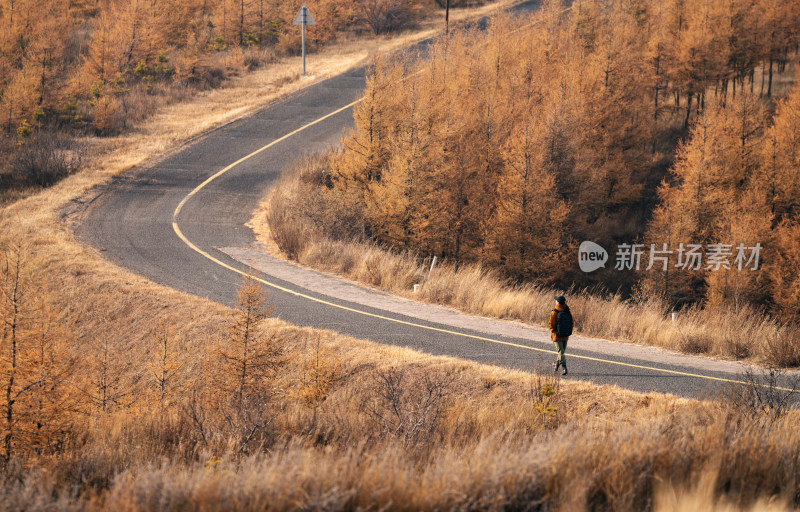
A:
(735, 181)
(60, 56)
(503, 141)
(243, 369)
(38, 399)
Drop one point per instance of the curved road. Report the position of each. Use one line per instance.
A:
(167, 221)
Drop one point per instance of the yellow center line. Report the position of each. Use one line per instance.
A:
(208, 256)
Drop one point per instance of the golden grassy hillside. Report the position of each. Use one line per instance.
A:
(325, 421)
(126, 395)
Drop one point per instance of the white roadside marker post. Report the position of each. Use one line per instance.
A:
(433, 265)
(304, 18)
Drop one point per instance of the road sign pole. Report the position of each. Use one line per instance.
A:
(304, 18)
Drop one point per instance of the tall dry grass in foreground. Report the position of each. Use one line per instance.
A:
(392, 428)
(628, 470)
(329, 421)
(310, 226)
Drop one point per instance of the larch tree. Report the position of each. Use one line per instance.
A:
(36, 367)
(46, 53)
(106, 53)
(613, 120)
(780, 34)
(739, 134)
(446, 151)
(247, 354)
(248, 359)
(784, 270)
(685, 214)
(16, 303)
(530, 229)
(745, 42)
(54, 400)
(527, 235)
(458, 190)
(105, 387)
(103, 64)
(466, 180)
(321, 371)
(743, 224)
(658, 50)
(675, 224)
(360, 167)
(701, 54)
(779, 177)
(393, 200)
(717, 198)
(19, 96)
(434, 146)
(166, 363)
(780, 158)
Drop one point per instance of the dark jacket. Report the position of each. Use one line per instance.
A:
(553, 319)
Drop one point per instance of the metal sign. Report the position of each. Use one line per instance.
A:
(304, 17)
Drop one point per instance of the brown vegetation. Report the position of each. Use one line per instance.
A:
(503, 149)
(392, 426)
(233, 427)
(735, 181)
(342, 422)
(308, 224)
(77, 68)
(507, 146)
(121, 427)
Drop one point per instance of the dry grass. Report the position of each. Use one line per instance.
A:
(490, 438)
(321, 234)
(500, 439)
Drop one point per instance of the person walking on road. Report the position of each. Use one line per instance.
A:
(560, 331)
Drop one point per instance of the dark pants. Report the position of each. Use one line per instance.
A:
(561, 347)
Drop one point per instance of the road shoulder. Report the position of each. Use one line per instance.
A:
(349, 291)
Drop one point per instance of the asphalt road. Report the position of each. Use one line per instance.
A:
(132, 219)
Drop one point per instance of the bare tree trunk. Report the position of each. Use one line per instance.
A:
(261, 22)
(135, 8)
(724, 92)
(12, 325)
(241, 24)
(43, 78)
(447, 18)
(655, 91)
(224, 17)
(769, 87)
(10, 92)
(688, 111)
